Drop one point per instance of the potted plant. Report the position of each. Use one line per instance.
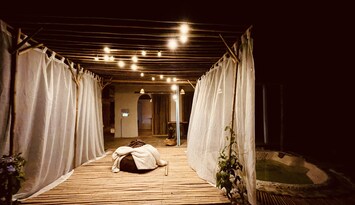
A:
(11, 176)
(230, 170)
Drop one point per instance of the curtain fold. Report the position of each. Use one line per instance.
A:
(245, 114)
(90, 140)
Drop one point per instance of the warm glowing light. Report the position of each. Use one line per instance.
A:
(174, 87)
(142, 91)
(142, 74)
(182, 92)
(106, 58)
(121, 64)
(135, 59)
(159, 54)
(184, 28)
(161, 76)
(107, 50)
(153, 78)
(134, 67)
(172, 43)
(183, 38)
(168, 80)
(96, 58)
(111, 58)
(174, 96)
(144, 53)
(174, 79)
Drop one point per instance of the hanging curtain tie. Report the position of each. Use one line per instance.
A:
(53, 55)
(44, 49)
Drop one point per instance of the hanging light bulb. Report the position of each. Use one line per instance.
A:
(184, 28)
(182, 92)
(107, 50)
(159, 54)
(134, 59)
(172, 44)
(134, 67)
(153, 78)
(161, 76)
(142, 91)
(174, 87)
(174, 79)
(183, 38)
(168, 80)
(174, 96)
(142, 74)
(144, 53)
(121, 64)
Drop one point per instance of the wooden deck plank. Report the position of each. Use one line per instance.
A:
(94, 183)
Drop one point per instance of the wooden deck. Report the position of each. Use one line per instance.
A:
(94, 183)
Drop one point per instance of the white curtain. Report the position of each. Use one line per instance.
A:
(212, 112)
(45, 117)
(90, 141)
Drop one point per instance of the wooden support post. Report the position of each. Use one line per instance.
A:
(19, 45)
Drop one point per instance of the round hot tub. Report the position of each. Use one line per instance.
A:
(283, 173)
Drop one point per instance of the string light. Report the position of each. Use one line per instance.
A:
(96, 58)
(184, 28)
(168, 80)
(107, 50)
(111, 58)
(144, 53)
(172, 43)
(174, 87)
(142, 74)
(174, 79)
(134, 67)
(141, 91)
(134, 59)
(159, 54)
(121, 64)
(183, 38)
(153, 78)
(106, 58)
(161, 76)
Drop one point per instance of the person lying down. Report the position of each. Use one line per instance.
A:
(137, 157)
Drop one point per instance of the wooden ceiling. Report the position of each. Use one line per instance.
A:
(81, 39)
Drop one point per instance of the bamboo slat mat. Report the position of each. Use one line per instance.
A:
(94, 183)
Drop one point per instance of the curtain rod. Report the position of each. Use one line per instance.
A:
(56, 54)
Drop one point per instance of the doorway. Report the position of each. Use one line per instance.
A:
(145, 113)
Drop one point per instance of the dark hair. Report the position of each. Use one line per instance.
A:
(136, 143)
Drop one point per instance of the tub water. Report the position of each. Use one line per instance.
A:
(282, 172)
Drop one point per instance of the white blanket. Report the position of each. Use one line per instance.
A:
(145, 157)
